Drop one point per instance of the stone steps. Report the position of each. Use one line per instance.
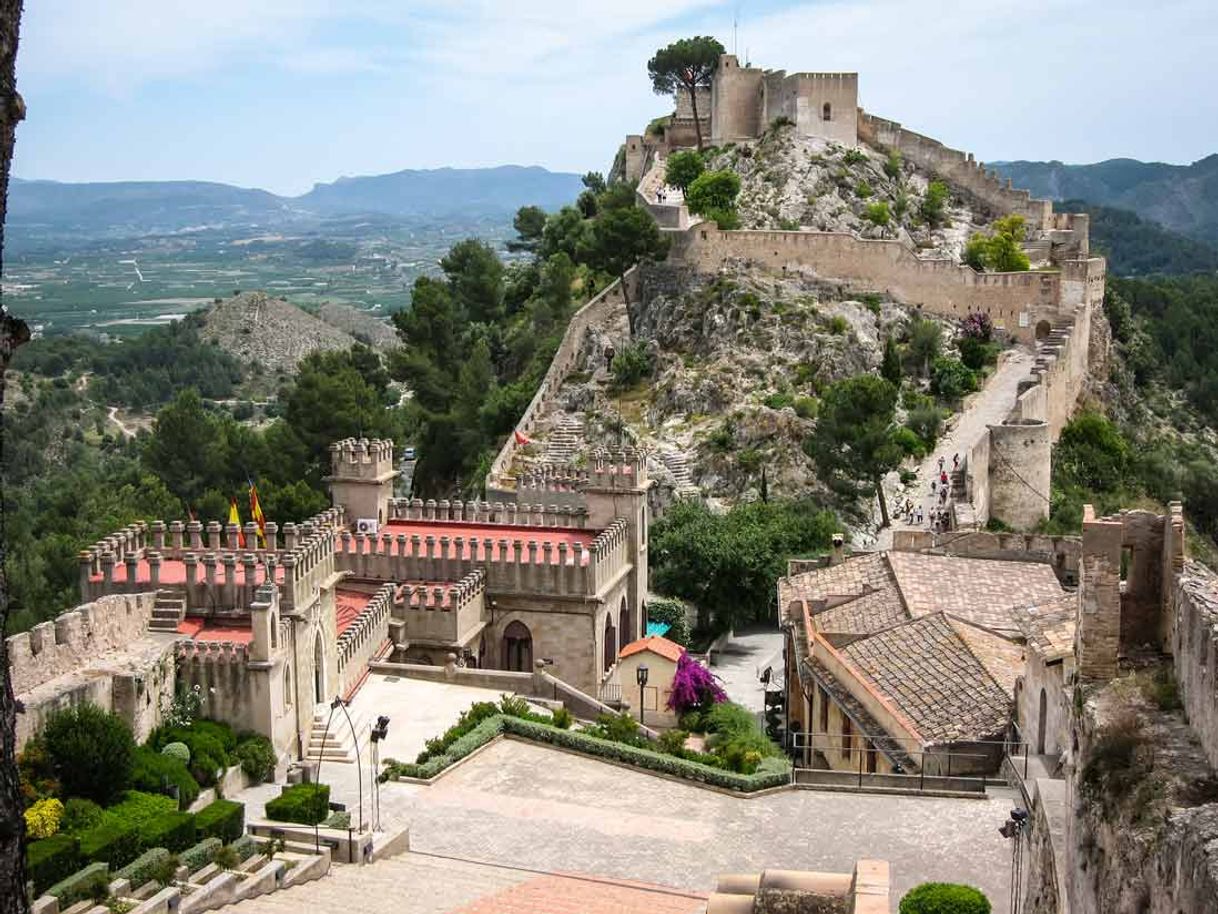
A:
(167, 612)
(564, 440)
(677, 463)
(338, 742)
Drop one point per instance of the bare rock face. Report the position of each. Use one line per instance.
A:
(270, 332)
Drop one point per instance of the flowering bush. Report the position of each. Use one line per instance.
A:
(42, 819)
(694, 687)
(978, 326)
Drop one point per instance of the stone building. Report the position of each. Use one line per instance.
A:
(271, 631)
(746, 100)
(907, 661)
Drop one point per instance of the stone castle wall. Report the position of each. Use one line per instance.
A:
(1195, 652)
(1015, 302)
(959, 168)
(76, 637)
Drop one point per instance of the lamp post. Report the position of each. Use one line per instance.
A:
(380, 730)
(1013, 830)
(640, 676)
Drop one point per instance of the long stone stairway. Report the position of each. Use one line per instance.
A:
(167, 612)
(337, 742)
(677, 463)
(565, 439)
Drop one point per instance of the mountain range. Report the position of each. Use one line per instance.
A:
(153, 207)
(1183, 198)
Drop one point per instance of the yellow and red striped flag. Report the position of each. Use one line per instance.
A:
(256, 513)
(234, 517)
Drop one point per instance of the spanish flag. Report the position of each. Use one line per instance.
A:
(256, 513)
(521, 438)
(234, 517)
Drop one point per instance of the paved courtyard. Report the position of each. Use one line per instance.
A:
(529, 806)
(740, 664)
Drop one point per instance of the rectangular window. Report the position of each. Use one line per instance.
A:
(824, 709)
(847, 737)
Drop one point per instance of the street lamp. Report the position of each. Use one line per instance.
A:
(640, 676)
(1013, 829)
(380, 730)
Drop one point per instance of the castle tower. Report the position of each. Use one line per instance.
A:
(361, 478)
(617, 487)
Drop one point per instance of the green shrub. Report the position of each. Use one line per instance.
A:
(563, 718)
(631, 365)
(217, 730)
(308, 804)
(713, 191)
(878, 213)
(951, 379)
(79, 815)
(854, 157)
(806, 407)
(672, 611)
(180, 751)
(780, 400)
(944, 898)
(909, 442)
(934, 205)
(210, 743)
(223, 819)
(199, 855)
(142, 868)
(157, 773)
(115, 842)
(138, 807)
(863, 189)
(694, 721)
(673, 741)
(52, 859)
(892, 165)
(683, 168)
(618, 728)
(256, 756)
(838, 325)
(91, 882)
(92, 752)
(727, 220)
(172, 830)
(244, 847)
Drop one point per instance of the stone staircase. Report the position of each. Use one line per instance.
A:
(564, 441)
(338, 742)
(677, 463)
(167, 612)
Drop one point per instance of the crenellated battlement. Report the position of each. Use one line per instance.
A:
(435, 615)
(484, 512)
(362, 458)
(364, 637)
(209, 653)
(624, 470)
(553, 566)
(75, 637)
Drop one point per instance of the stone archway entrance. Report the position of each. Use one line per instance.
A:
(517, 647)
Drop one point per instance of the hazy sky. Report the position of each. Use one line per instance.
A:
(283, 93)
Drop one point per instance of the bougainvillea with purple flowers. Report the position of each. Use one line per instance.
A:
(694, 687)
(978, 326)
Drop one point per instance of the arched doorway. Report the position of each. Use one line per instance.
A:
(517, 647)
(319, 671)
(1043, 329)
(627, 623)
(610, 641)
(1040, 723)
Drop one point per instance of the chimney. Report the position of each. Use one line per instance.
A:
(838, 555)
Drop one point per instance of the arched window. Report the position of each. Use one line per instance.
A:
(517, 647)
(287, 686)
(627, 624)
(1040, 722)
(610, 642)
(826, 113)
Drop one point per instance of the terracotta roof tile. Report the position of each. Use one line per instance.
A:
(656, 645)
(1049, 627)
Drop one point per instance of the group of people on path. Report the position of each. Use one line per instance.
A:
(938, 513)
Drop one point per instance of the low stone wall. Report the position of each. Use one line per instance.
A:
(1195, 650)
(1061, 552)
(76, 637)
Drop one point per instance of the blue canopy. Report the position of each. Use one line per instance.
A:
(657, 628)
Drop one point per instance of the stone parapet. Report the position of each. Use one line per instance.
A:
(530, 514)
(364, 638)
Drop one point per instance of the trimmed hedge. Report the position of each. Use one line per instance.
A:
(222, 819)
(308, 804)
(90, 882)
(52, 859)
(772, 772)
(116, 843)
(256, 756)
(944, 898)
(174, 831)
(141, 869)
(155, 773)
(245, 847)
(203, 853)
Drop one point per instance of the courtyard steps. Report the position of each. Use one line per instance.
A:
(677, 463)
(338, 742)
(167, 612)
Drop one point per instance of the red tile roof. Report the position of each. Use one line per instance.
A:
(495, 532)
(348, 604)
(670, 650)
(201, 630)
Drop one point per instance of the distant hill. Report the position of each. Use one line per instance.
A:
(47, 208)
(1183, 198)
(1136, 246)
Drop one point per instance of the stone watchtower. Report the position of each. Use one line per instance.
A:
(617, 487)
(361, 478)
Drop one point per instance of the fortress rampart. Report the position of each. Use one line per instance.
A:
(484, 512)
(599, 310)
(1017, 303)
(364, 638)
(437, 615)
(960, 168)
(75, 637)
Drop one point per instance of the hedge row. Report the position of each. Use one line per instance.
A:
(222, 819)
(772, 772)
(203, 853)
(118, 841)
(245, 847)
(91, 882)
(308, 804)
(140, 870)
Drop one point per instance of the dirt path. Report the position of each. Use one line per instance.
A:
(988, 407)
(112, 415)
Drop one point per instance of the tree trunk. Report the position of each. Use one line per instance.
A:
(693, 103)
(879, 491)
(13, 333)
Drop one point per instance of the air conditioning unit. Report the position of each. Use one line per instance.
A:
(366, 525)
